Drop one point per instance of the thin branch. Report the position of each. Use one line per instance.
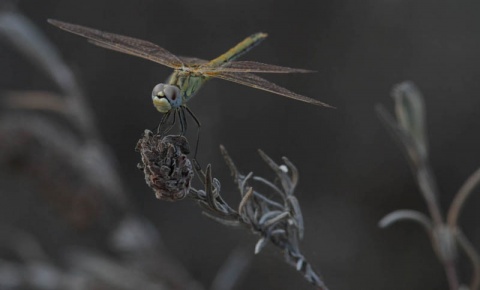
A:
(407, 214)
(28, 39)
(277, 222)
(428, 187)
(419, 164)
(465, 191)
(245, 200)
(473, 256)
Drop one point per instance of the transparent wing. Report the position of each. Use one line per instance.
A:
(124, 44)
(257, 82)
(253, 67)
(192, 60)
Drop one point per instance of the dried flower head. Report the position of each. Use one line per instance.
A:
(167, 169)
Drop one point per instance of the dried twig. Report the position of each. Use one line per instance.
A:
(275, 216)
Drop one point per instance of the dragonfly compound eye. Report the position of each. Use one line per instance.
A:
(172, 93)
(165, 97)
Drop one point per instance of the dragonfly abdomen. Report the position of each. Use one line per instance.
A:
(238, 50)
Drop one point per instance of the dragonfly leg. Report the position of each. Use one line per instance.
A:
(183, 121)
(164, 127)
(198, 129)
(162, 121)
(171, 125)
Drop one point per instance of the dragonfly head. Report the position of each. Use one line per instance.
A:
(165, 97)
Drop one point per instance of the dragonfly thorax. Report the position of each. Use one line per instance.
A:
(166, 97)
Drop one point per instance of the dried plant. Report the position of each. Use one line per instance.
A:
(275, 216)
(167, 169)
(446, 235)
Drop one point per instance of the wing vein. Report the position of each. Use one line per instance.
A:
(257, 82)
(253, 67)
(125, 44)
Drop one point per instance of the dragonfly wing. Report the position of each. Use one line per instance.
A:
(253, 67)
(111, 47)
(257, 82)
(125, 44)
(192, 60)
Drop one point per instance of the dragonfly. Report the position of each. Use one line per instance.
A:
(191, 73)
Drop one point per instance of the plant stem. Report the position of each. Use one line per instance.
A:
(428, 187)
(462, 195)
(451, 272)
(473, 256)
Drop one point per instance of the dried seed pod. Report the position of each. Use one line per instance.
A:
(167, 169)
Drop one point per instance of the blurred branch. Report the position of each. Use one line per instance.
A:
(31, 42)
(112, 272)
(452, 219)
(35, 100)
(85, 270)
(75, 175)
(406, 214)
(419, 164)
(232, 270)
(410, 113)
(472, 254)
(465, 191)
(410, 130)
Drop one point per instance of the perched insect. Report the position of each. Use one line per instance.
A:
(191, 73)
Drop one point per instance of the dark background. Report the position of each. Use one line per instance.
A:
(352, 172)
